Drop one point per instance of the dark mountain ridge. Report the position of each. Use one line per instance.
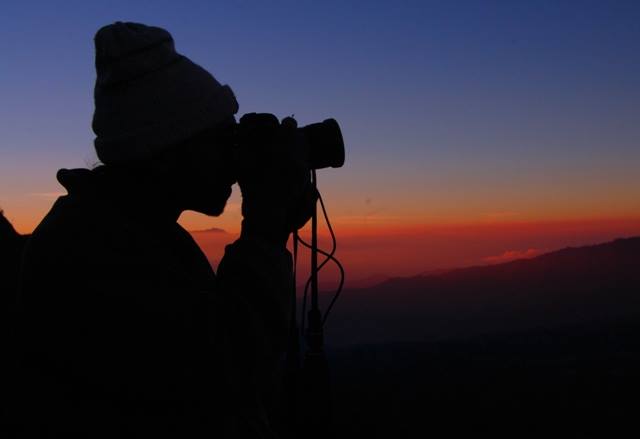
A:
(584, 285)
(533, 348)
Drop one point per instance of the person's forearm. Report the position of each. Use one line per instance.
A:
(268, 225)
(257, 270)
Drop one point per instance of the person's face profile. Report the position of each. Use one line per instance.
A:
(211, 172)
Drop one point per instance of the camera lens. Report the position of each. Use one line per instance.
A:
(326, 146)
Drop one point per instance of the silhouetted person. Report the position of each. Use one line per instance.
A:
(125, 328)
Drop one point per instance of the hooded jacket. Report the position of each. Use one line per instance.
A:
(125, 329)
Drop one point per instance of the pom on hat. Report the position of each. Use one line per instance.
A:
(147, 96)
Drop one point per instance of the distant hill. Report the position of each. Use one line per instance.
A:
(585, 285)
(210, 230)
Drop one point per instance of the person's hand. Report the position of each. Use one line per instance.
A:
(274, 177)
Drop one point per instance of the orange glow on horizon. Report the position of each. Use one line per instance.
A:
(402, 245)
(415, 249)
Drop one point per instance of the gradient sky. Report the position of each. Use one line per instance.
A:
(454, 113)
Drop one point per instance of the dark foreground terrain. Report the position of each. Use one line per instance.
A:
(571, 383)
(545, 347)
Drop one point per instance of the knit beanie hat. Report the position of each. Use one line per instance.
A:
(147, 96)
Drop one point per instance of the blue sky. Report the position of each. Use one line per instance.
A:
(450, 110)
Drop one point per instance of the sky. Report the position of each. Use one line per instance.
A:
(509, 128)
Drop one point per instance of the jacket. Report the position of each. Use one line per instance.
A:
(125, 330)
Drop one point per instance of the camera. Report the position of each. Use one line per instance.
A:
(321, 144)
